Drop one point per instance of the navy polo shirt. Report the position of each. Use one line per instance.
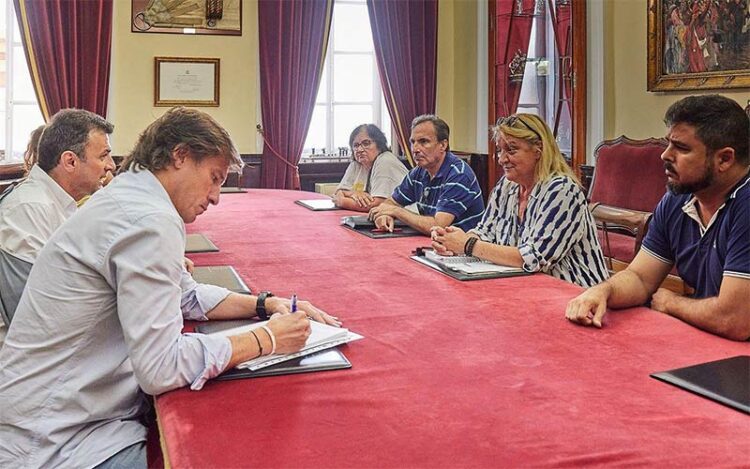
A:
(703, 257)
(454, 190)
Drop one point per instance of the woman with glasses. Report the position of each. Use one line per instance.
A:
(537, 216)
(373, 173)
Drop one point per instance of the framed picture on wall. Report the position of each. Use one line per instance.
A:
(187, 17)
(698, 44)
(186, 81)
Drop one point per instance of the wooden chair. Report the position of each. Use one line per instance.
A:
(627, 184)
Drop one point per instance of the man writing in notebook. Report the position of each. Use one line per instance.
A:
(100, 324)
(701, 226)
(443, 186)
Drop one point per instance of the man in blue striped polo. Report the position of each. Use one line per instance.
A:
(443, 186)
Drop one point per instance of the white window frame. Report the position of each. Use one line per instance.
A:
(379, 111)
(11, 62)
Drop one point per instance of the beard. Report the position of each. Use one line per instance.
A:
(692, 187)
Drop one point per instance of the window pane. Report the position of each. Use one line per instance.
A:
(3, 34)
(3, 158)
(323, 88)
(351, 28)
(23, 89)
(345, 118)
(26, 118)
(316, 135)
(353, 78)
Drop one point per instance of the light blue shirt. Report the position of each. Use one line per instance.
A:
(99, 324)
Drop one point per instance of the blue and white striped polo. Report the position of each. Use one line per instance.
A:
(454, 190)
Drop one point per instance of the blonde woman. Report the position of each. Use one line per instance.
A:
(537, 217)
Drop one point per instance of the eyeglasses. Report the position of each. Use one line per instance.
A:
(510, 121)
(364, 144)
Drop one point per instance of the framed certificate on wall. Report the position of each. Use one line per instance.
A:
(186, 81)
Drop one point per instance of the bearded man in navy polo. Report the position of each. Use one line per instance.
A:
(701, 227)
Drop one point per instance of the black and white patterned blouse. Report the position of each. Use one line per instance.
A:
(557, 235)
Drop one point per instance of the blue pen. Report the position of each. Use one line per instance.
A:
(294, 303)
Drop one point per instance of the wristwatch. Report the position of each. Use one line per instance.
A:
(260, 305)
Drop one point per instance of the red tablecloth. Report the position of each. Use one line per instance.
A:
(451, 374)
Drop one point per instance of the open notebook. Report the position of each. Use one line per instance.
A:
(322, 337)
(465, 267)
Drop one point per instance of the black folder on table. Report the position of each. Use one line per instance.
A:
(317, 204)
(458, 274)
(363, 225)
(726, 381)
(232, 190)
(221, 276)
(328, 359)
(197, 242)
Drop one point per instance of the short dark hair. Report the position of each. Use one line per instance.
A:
(719, 122)
(442, 131)
(180, 127)
(68, 130)
(375, 134)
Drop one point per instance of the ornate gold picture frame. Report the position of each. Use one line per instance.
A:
(698, 44)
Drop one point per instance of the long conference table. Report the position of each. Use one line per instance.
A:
(484, 373)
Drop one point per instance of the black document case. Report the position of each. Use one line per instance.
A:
(221, 276)
(726, 381)
(361, 224)
(459, 275)
(317, 204)
(197, 242)
(329, 359)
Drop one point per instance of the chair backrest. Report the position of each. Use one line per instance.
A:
(629, 173)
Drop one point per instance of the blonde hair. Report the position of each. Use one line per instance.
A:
(535, 131)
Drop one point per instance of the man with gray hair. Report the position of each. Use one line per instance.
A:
(74, 157)
(100, 321)
(443, 186)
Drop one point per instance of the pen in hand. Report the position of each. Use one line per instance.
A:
(294, 303)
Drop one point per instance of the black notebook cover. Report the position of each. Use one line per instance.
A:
(197, 242)
(361, 224)
(329, 359)
(221, 276)
(317, 205)
(726, 381)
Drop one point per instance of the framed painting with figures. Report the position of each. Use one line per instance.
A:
(698, 44)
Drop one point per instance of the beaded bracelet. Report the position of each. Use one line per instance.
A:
(273, 339)
(260, 347)
(469, 246)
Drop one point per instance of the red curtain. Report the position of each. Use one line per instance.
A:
(513, 20)
(293, 40)
(405, 38)
(561, 24)
(68, 49)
